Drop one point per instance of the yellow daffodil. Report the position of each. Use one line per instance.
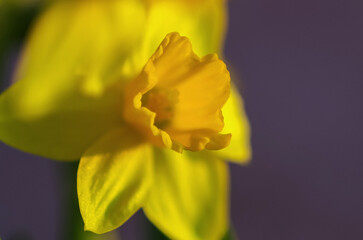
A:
(117, 85)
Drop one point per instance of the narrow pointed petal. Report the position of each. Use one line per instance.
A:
(113, 180)
(236, 122)
(189, 197)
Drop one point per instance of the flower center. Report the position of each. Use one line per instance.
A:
(162, 103)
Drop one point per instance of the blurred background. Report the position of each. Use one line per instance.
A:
(301, 69)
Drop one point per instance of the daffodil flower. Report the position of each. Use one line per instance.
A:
(151, 128)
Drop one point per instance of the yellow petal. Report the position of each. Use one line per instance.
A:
(78, 44)
(61, 102)
(236, 122)
(181, 95)
(189, 197)
(63, 132)
(114, 177)
(204, 23)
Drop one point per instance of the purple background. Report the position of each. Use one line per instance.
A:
(301, 65)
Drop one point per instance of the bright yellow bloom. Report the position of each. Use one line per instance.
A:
(144, 123)
(176, 100)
